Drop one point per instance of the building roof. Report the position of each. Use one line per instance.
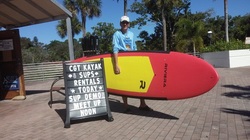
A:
(19, 13)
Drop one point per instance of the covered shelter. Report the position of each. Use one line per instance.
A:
(19, 13)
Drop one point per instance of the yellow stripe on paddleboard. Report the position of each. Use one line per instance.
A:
(136, 73)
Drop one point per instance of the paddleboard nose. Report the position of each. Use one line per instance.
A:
(214, 78)
(190, 76)
(208, 78)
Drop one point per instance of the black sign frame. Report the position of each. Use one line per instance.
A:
(85, 91)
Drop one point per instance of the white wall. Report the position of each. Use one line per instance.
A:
(239, 58)
(228, 59)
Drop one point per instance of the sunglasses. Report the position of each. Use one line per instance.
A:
(125, 22)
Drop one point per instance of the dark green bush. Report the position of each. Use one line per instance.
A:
(224, 46)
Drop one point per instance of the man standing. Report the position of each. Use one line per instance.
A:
(123, 40)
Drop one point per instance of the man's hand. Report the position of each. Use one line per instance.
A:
(117, 70)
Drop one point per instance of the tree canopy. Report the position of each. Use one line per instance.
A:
(185, 31)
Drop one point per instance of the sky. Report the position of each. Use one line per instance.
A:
(113, 10)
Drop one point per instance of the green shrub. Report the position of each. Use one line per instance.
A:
(224, 46)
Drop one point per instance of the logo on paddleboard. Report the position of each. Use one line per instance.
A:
(143, 84)
(165, 75)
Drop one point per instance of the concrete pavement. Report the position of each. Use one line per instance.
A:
(222, 113)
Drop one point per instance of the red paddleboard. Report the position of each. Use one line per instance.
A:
(157, 75)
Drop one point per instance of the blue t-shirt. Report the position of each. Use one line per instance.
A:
(123, 42)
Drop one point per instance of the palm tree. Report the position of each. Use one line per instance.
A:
(75, 23)
(87, 8)
(62, 27)
(125, 7)
(189, 35)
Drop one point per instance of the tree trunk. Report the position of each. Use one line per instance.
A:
(164, 30)
(125, 7)
(194, 50)
(226, 19)
(83, 26)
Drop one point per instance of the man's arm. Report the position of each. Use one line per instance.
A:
(115, 53)
(116, 65)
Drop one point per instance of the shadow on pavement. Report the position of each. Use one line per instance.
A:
(238, 95)
(62, 114)
(30, 92)
(247, 88)
(243, 93)
(117, 106)
(238, 112)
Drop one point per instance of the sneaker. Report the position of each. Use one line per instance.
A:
(146, 108)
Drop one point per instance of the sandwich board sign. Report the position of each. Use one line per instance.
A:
(86, 91)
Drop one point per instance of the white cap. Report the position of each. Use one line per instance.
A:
(124, 18)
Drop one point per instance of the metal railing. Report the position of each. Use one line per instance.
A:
(42, 71)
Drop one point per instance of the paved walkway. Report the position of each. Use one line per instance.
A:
(223, 113)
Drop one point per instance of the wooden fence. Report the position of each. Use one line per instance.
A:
(42, 71)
